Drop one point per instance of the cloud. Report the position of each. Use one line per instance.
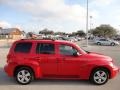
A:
(5, 24)
(101, 3)
(53, 12)
(49, 9)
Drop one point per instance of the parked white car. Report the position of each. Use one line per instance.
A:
(106, 42)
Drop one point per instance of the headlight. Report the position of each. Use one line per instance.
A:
(111, 64)
(117, 42)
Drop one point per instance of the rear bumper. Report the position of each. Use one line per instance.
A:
(9, 70)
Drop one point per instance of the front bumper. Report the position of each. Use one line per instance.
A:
(115, 71)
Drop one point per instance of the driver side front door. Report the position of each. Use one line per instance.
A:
(69, 65)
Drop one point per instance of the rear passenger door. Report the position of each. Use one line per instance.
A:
(46, 56)
(104, 41)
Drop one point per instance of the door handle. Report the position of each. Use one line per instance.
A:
(57, 60)
(33, 58)
(64, 59)
(36, 58)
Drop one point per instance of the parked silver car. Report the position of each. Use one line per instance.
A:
(106, 42)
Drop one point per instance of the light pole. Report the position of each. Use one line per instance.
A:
(87, 23)
(91, 22)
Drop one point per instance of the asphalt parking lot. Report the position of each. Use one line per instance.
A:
(7, 83)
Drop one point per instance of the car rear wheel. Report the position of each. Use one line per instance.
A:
(99, 76)
(98, 43)
(24, 76)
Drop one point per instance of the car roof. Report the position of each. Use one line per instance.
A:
(45, 40)
(48, 41)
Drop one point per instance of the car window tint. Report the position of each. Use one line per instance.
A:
(102, 39)
(45, 48)
(67, 50)
(23, 47)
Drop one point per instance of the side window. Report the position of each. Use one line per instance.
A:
(67, 50)
(24, 47)
(45, 48)
(103, 40)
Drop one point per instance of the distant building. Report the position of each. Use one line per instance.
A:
(11, 33)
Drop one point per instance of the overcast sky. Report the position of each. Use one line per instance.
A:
(58, 15)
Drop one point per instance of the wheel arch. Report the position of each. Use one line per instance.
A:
(23, 66)
(99, 43)
(100, 67)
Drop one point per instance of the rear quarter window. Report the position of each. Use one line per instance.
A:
(23, 47)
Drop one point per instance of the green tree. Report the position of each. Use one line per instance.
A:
(60, 33)
(104, 30)
(81, 33)
(46, 31)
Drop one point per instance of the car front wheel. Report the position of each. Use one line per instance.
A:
(112, 44)
(99, 76)
(24, 76)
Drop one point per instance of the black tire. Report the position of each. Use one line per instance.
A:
(98, 43)
(112, 44)
(100, 81)
(26, 78)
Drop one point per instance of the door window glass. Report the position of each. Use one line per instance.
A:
(45, 48)
(67, 50)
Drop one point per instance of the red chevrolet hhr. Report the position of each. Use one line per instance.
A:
(55, 59)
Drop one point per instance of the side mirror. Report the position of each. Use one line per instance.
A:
(76, 54)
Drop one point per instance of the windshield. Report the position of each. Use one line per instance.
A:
(81, 49)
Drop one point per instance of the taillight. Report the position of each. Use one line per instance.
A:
(9, 58)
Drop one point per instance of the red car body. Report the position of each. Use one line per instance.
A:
(57, 66)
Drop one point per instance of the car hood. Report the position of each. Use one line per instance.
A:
(97, 56)
(116, 42)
